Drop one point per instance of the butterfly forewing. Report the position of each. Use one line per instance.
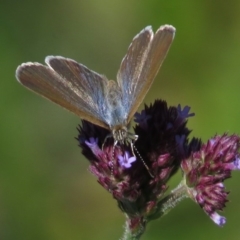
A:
(144, 64)
(59, 89)
(157, 52)
(131, 66)
(90, 86)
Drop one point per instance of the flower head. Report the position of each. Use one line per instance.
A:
(205, 171)
(137, 176)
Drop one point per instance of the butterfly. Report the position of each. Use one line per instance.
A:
(90, 95)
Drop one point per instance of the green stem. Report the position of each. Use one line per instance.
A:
(134, 228)
(170, 201)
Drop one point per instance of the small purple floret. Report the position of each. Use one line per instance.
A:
(126, 161)
(92, 142)
(184, 113)
(237, 163)
(141, 117)
(219, 220)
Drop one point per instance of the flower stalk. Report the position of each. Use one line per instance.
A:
(134, 228)
(170, 201)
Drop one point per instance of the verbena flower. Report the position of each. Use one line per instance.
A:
(206, 169)
(122, 171)
(137, 176)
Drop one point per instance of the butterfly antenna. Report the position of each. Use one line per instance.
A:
(105, 139)
(112, 158)
(139, 155)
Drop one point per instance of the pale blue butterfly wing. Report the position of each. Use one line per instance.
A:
(69, 84)
(141, 64)
(97, 94)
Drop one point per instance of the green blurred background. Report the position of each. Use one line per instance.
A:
(46, 191)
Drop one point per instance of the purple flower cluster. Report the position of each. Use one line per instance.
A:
(138, 177)
(206, 169)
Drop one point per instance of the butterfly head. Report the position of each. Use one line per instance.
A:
(120, 134)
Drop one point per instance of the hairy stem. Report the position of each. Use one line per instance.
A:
(134, 228)
(170, 201)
